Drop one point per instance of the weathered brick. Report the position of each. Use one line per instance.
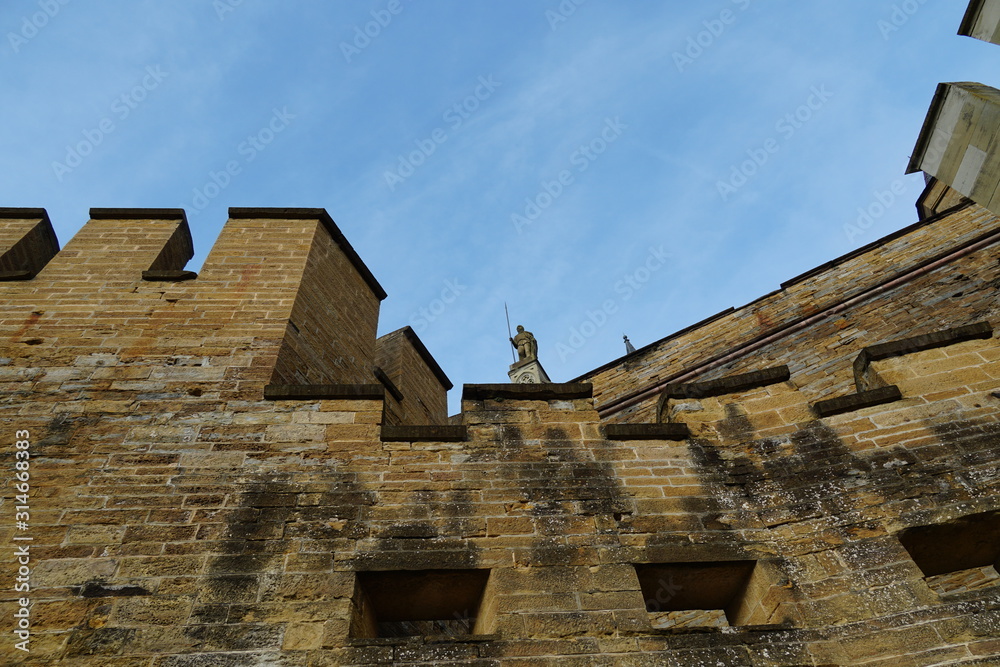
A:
(180, 518)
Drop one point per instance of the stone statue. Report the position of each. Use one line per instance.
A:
(527, 346)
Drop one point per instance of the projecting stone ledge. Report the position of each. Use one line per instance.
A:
(646, 432)
(169, 276)
(528, 392)
(728, 385)
(424, 433)
(896, 348)
(313, 392)
(852, 402)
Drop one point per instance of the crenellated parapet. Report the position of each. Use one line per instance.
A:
(282, 298)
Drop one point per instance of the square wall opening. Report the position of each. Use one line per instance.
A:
(959, 555)
(714, 594)
(411, 603)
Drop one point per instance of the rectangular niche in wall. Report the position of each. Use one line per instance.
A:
(405, 603)
(713, 594)
(957, 556)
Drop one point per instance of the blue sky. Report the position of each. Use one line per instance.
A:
(603, 167)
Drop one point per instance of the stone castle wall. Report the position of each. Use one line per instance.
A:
(229, 468)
